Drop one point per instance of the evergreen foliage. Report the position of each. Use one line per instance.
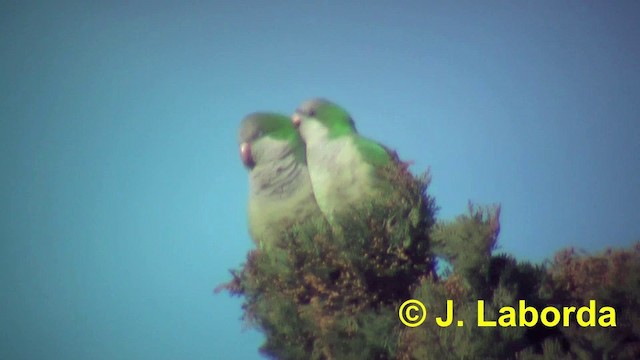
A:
(333, 292)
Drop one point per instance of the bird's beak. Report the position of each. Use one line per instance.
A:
(296, 120)
(245, 155)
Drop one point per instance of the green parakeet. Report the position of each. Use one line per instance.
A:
(342, 164)
(280, 191)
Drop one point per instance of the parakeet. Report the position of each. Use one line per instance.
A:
(342, 164)
(280, 191)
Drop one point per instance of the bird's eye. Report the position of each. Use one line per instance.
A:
(311, 112)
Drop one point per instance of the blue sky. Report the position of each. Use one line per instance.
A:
(123, 196)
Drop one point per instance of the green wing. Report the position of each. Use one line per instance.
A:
(372, 152)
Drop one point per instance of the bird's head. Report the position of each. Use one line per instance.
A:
(321, 115)
(266, 136)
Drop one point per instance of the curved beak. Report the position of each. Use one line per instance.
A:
(296, 120)
(245, 155)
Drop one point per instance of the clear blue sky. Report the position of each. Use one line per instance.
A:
(123, 197)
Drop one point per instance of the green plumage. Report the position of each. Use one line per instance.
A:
(280, 193)
(344, 166)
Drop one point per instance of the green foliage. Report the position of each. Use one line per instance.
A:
(334, 292)
(467, 244)
(611, 278)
